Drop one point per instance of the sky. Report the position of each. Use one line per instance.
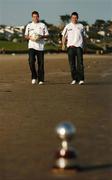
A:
(18, 12)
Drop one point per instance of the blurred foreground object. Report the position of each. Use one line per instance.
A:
(65, 157)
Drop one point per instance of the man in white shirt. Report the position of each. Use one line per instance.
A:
(73, 35)
(35, 33)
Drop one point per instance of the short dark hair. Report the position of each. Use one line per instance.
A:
(35, 12)
(75, 14)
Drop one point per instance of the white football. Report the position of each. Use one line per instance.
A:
(35, 37)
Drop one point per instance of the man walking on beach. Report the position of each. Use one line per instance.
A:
(73, 34)
(35, 33)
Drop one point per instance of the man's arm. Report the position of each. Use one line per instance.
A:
(64, 38)
(84, 35)
(26, 35)
(63, 42)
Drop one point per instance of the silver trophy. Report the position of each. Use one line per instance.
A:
(65, 157)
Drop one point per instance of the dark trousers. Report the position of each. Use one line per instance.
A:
(75, 56)
(36, 56)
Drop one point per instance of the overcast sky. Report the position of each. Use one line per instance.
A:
(18, 12)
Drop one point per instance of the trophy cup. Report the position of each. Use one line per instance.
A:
(65, 157)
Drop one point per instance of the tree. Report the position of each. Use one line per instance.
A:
(65, 19)
(94, 35)
(2, 26)
(84, 23)
(99, 24)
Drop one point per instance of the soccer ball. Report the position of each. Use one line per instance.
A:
(35, 37)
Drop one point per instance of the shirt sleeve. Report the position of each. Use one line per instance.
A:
(45, 31)
(64, 32)
(27, 31)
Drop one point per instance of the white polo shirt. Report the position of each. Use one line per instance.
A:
(74, 34)
(38, 28)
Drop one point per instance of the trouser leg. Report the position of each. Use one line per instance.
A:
(32, 60)
(40, 58)
(72, 62)
(80, 66)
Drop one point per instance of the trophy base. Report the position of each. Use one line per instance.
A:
(65, 160)
(65, 171)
